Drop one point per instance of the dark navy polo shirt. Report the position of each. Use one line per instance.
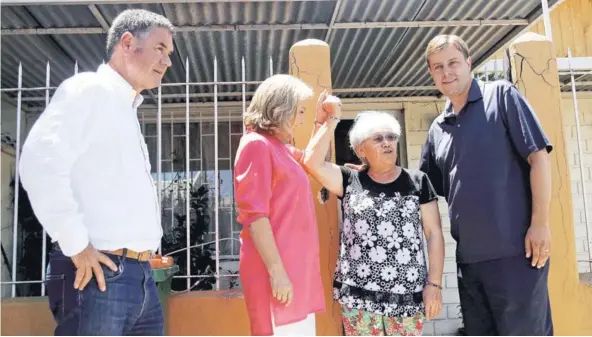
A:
(477, 160)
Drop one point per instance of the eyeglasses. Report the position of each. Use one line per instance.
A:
(380, 137)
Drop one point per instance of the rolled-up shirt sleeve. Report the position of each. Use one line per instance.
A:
(252, 182)
(51, 149)
(524, 128)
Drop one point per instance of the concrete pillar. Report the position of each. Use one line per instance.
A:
(534, 71)
(311, 62)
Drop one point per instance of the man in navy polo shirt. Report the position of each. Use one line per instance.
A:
(488, 156)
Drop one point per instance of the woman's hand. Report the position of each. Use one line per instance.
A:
(281, 286)
(432, 300)
(321, 115)
(332, 106)
(327, 105)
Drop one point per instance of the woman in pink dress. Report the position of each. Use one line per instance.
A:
(279, 259)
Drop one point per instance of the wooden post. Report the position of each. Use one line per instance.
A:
(311, 62)
(534, 72)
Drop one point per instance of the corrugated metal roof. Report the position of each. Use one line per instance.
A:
(361, 57)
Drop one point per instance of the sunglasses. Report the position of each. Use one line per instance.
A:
(380, 137)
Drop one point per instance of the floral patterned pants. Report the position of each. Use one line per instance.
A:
(363, 323)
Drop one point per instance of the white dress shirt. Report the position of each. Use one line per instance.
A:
(85, 167)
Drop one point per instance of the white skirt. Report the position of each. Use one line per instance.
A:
(306, 327)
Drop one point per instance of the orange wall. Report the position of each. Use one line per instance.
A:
(571, 26)
(208, 313)
(28, 316)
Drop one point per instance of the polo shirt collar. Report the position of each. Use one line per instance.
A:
(475, 94)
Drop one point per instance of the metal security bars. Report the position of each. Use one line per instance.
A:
(192, 147)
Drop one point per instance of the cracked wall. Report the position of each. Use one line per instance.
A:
(534, 71)
(310, 61)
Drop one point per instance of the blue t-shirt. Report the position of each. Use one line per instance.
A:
(478, 160)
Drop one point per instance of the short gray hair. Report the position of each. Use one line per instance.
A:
(368, 122)
(136, 21)
(274, 103)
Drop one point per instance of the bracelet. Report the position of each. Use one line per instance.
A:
(429, 283)
(330, 117)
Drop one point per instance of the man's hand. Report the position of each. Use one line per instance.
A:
(432, 300)
(88, 261)
(281, 286)
(538, 244)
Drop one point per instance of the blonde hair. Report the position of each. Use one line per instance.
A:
(441, 42)
(274, 103)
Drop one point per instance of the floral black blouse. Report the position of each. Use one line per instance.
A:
(381, 266)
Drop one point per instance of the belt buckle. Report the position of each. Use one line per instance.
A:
(144, 256)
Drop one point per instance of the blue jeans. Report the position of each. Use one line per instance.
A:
(129, 306)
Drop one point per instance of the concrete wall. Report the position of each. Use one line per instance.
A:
(418, 118)
(569, 129)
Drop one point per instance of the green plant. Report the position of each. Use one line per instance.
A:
(201, 257)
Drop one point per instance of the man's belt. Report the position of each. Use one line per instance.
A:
(128, 253)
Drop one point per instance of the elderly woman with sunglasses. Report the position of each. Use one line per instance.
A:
(382, 281)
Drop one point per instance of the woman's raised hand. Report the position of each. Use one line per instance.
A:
(332, 106)
(327, 105)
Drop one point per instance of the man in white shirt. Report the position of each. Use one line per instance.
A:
(86, 170)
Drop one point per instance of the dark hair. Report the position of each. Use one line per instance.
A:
(137, 22)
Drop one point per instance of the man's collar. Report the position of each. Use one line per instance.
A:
(475, 94)
(135, 97)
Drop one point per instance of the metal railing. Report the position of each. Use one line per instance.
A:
(190, 116)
